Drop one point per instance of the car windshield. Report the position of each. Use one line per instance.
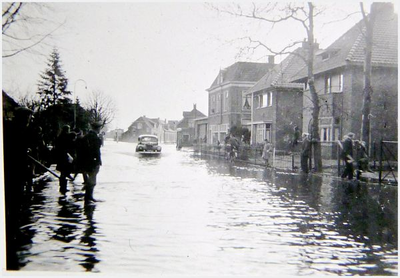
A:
(149, 140)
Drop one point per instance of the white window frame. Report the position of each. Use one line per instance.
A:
(218, 103)
(326, 130)
(212, 110)
(334, 83)
(225, 101)
(270, 99)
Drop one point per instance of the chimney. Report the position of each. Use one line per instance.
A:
(271, 59)
(305, 44)
(194, 106)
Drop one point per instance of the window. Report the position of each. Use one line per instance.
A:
(326, 133)
(333, 83)
(225, 101)
(212, 105)
(246, 102)
(265, 100)
(325, 56)
(260, 101)
(270, 98)
(218, 104)
(221, 78)
(139, 125)
(263, 131)
(259, 133)
(336, 135)
(268, 132)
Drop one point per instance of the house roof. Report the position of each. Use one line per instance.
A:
(145, 120)
(281, 74)
(242, 71)
(349, 48)
(194, 114)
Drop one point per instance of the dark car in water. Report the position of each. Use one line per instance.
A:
(148, 144)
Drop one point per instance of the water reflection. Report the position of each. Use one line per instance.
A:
(88, 239)
(339, 227)
(48, 219)
(68, 219)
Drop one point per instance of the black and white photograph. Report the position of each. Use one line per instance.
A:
(199, 139)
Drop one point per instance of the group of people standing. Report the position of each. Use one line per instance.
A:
(78, 153)
(353, 152)
(26, 155)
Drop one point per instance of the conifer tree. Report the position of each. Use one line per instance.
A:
(52, 87)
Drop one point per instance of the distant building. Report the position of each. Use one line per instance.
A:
(186, 127)
(165, 131)
(227, 103)
(114, 134)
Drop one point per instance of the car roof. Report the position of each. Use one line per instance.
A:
(148, 135)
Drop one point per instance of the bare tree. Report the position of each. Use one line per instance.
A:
(366, 104)
(275, 13)
(30, 101)
(101, 107)
(25, 26)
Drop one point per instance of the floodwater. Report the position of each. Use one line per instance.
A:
(180, 214)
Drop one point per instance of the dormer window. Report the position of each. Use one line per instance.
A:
(325, 56)
(220, 79)
(328, 54)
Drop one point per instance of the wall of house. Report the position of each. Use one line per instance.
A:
(384, 103)
(264, 114)
(233, 113)
(333, 111)
(346, 107)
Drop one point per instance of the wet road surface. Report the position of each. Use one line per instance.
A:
(179, 214)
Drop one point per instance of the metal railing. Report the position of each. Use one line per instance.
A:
(388, 161)
(382, 161)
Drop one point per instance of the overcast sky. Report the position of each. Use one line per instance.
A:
(153, 59)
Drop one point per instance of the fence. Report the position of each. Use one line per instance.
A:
(388, 162)
(280, 159)
(382, 161)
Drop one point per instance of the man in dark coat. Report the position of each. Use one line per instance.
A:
(64, 150)
(92, 160)
(305, 153)
(296, 136)
(347, 156)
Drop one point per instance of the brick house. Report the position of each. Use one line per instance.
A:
(186, 128)
(276, 104)
(227, 99)
(339, 82)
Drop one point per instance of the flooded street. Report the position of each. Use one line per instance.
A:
(179, 214)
